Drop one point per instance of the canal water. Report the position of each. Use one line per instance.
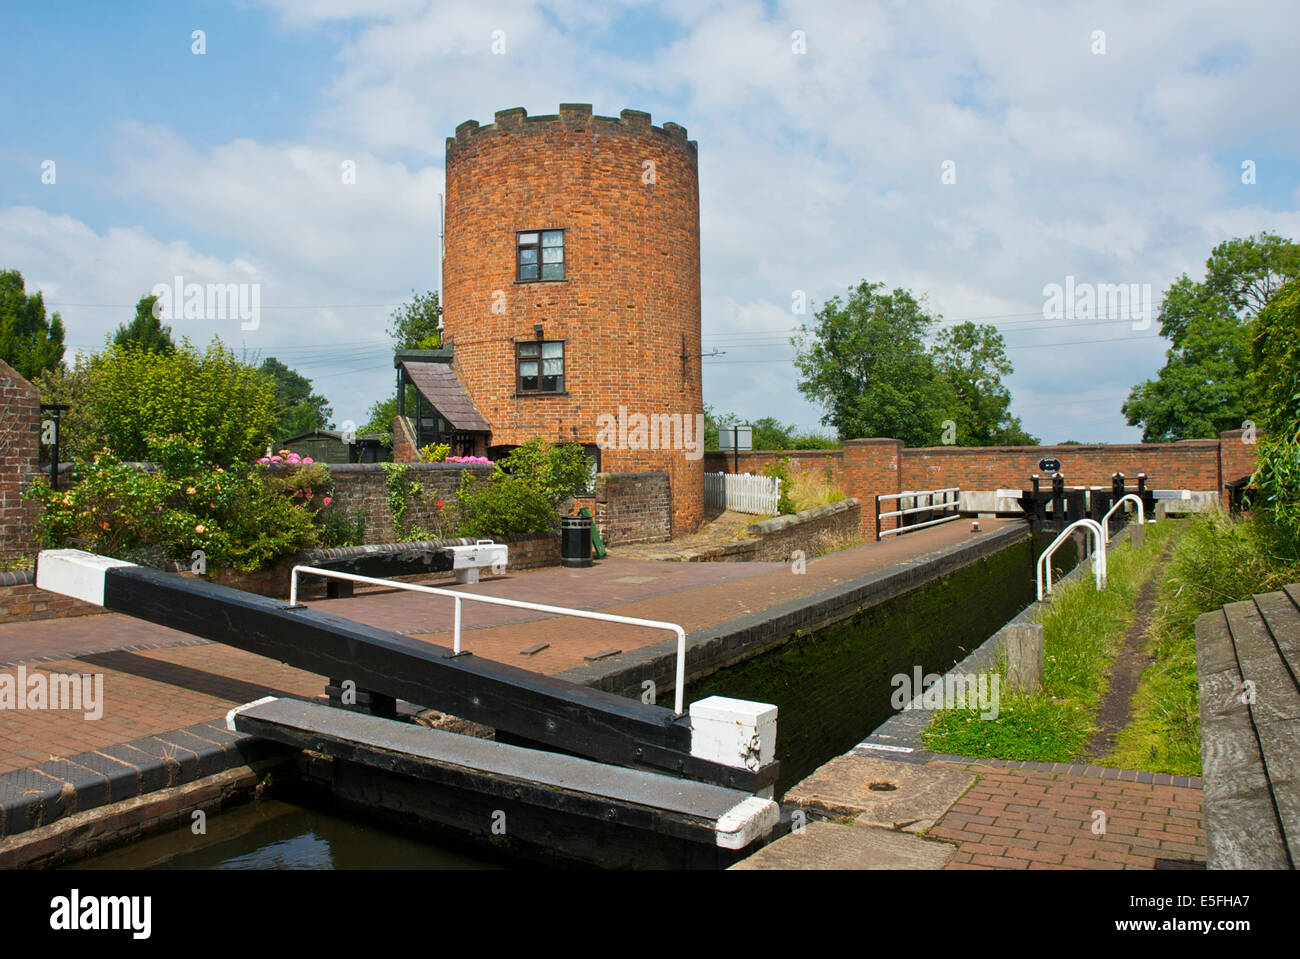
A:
(273, 834)
(833, 686)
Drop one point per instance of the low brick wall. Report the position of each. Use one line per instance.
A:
(810, 531)
(19, 460)
(361, 489)
(22, 602)
(633, 508)
(813, 532)
(869, 467)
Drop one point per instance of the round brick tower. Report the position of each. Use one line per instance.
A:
(571, 288)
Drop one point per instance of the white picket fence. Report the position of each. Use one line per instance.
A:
(743, 493)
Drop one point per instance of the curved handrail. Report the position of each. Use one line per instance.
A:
(1044, 563)
(1105, 520)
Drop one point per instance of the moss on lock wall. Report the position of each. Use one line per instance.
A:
(833, 686)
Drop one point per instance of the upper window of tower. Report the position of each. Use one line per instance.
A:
(539, 255)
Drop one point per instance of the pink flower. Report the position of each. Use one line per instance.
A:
(276, 459)
(328, 501)
(307, 461)
(263, 460)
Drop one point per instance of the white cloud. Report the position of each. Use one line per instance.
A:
(816, 170)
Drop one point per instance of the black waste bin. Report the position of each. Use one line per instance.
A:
(575, 541)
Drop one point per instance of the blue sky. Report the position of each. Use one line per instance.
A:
(817, 170)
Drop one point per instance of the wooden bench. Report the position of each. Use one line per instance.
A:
(1247, 663)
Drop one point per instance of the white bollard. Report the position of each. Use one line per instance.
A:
(734, 732)
(75, 573)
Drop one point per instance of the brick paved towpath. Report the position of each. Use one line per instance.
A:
(1018, 818)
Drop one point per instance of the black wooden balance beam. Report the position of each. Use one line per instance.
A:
(597, 813)
(722, 741)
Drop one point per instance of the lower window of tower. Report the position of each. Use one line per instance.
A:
(540, 366)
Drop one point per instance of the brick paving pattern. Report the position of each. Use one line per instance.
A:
(147, 692)
(1027, 818)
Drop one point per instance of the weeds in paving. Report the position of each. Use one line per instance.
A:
(1083, 631)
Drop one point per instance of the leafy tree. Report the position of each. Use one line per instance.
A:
(814, 440)
(1203, 387)
(146, 330)
(1276, 389)
(81, 434)
(29, 342)
(297, 409)
(380, 419)
(769, 433)
(973, 360)
(211, 398)
(865, 360)
(1275, 351)
(416, 325)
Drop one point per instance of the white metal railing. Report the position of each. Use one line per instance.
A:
(1044, 564)
(499, 601)
(743, 492)
(1105, 521)
(949, 498)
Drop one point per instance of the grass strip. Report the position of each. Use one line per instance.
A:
(1083, 631)
(1219, 560)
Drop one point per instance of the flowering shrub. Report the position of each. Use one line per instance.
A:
(187, 503)
(301, 479)
(524, 491)
(468, 459)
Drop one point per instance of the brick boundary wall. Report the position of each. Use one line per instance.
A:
(808, 531)
(755, 461)
(362, 488)
(1189, 464)
(20, 414)
(633, 508)
(526, 552)
(866, 468)
(1237, 455)
(872, 467)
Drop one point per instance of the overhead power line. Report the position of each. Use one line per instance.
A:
(1026, 346)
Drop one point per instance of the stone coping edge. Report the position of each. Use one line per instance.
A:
(39, 795)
